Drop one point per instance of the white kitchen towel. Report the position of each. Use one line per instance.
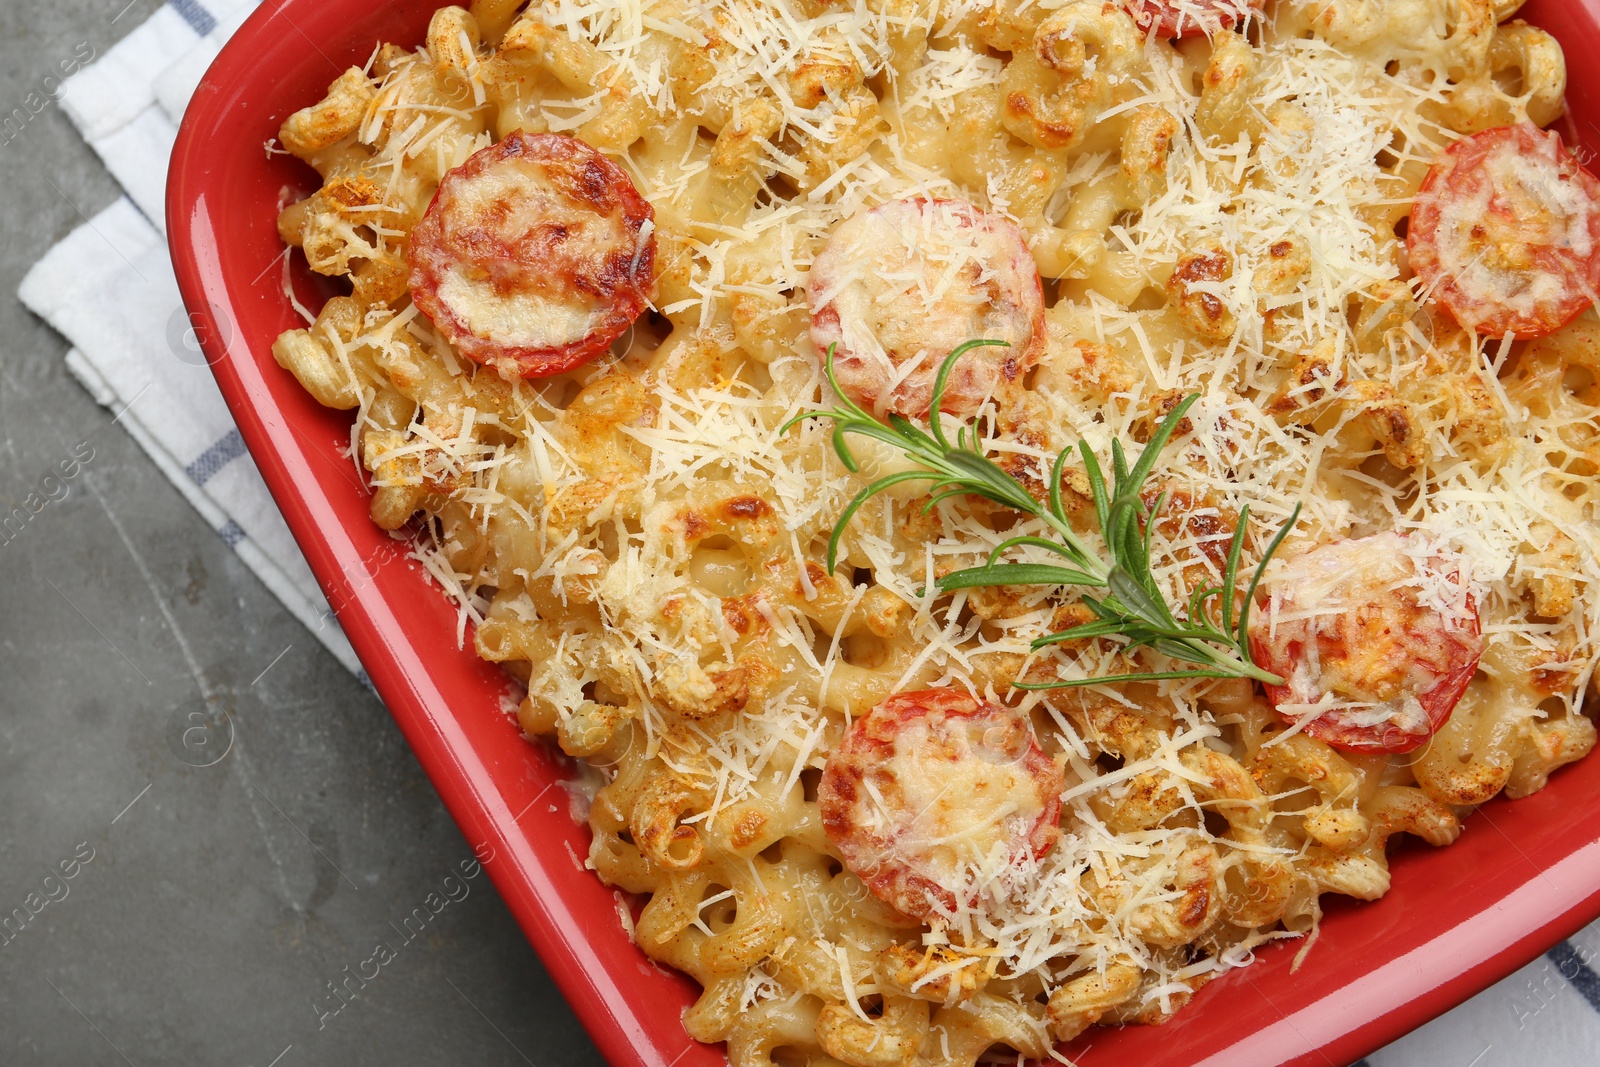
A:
(109, 288)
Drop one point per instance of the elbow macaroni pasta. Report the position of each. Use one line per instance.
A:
(638, 542)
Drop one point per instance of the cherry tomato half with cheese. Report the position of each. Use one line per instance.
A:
(1505, 233)
(1190, 18)
(931, 791)
(534, 256)
(900, 287)
(1381, 631)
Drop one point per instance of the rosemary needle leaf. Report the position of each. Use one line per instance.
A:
(1163, 434)
(935, 500)
(1100, 609)
(1097, 484)
(1137, 598)
(845, 455)
(1177, 648)
(1056, 472)
(1197, 605)
(1149, 534)
(1119, 466)
(1261, 569)
(1037, 542)
(1147, 676)
(861, 498)
(1230, 573)
(1107, 628)
(1014, 574)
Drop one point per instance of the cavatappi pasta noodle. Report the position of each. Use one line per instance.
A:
(637, 540)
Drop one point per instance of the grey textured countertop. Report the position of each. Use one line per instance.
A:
(210, 906)
(159, 906)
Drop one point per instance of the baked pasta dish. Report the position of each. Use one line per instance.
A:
(1013, 499)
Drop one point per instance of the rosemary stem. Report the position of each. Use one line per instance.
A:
(1136, 607)
(1087, 560)
(1242, 667)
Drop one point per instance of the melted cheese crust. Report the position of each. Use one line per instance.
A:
(533, 255)
(1375, 636)
(899, 287)
(931, 786)
(1177, 18)
(640, 544)
(1512, 226)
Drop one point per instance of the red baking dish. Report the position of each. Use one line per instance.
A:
(1524, 874)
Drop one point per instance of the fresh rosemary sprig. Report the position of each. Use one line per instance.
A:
(1213, 640)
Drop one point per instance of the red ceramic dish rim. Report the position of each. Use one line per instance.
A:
(1456, 921)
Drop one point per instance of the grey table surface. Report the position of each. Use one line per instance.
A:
(214, 906)
(220, 901)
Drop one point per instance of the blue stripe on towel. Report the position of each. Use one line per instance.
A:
(201, 20)
(213, 459)
(1570, 964)
(232, 533)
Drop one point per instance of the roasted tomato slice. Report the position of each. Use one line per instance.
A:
(899, 287)
(1381, 630)
(534, 256)
(1189, 18)
(932, 790)
(1505, 232)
